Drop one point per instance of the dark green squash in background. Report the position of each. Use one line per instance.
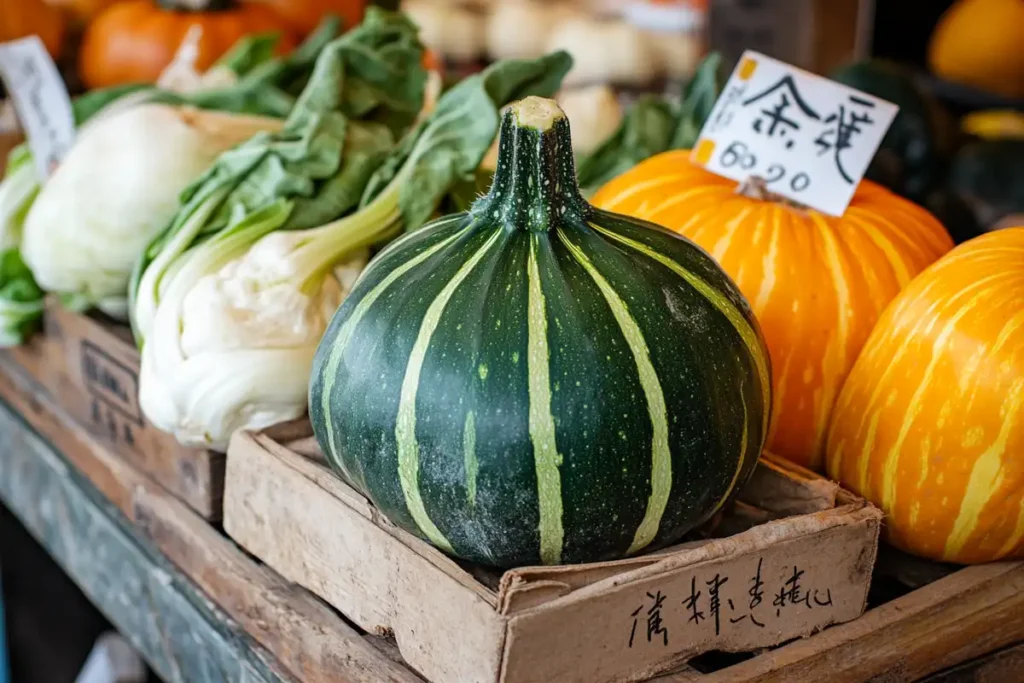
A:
(538, 381)
(912, 158)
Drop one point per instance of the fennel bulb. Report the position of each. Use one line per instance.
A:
(236, 349)
(117, 188)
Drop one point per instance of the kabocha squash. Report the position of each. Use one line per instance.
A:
(917, 146)
(816, 283)
(536, 380)
(930, 424)
(132, 42)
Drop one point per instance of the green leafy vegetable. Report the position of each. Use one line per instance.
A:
(274, 219)
(21, 299)
(653, 125)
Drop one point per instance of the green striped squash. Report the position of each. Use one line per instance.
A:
(538, 381)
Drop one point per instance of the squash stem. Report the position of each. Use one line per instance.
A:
(755, 187)
(535, 181)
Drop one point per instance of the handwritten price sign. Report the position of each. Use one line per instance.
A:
(807, 138)
(40, 99)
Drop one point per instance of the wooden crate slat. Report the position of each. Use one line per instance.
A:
(573, 623)
(961, 616)
(149, 602)
(91, 370)
(309, 639)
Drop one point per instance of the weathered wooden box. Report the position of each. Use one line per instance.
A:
(793, 556)
(90, 367)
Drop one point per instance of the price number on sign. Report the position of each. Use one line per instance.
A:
(738, 155)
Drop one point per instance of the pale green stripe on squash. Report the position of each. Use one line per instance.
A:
(469, 456)
(542, 422)
(405, 426)
(719, 301)
(661, 454)
(744, 443)
(345, 335)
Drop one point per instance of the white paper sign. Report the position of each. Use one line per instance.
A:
(808, 138)
(41, 100)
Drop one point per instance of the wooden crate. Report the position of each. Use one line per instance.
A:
(795, 555)
(925, 622)
(90, 367)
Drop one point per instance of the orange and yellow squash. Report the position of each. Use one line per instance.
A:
(816, 283)
(930, 423)
(21, 18)
(131, 42)
(83, 11)
(978, 43)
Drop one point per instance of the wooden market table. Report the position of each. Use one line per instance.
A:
(198, 608)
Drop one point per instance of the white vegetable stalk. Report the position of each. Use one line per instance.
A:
(115, 190)
(229, 329)
(232, 349)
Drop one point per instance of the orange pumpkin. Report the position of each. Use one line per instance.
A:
(816, 283)
(133, 41)
(21, 18)
(930, 424)
(305, 15)
(83, 10)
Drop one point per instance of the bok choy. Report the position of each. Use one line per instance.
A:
(249, 80)
(260, 239)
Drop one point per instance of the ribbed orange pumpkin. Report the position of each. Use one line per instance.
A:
(20, 18)
(930, 423)
(132, 42)
(816, 283)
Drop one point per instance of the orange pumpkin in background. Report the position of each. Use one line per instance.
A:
(930, 424)
(305, 15)
(21, 18)
(83, 10)
(816, 283)
(133, 41)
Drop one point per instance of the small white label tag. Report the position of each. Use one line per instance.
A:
(41, 100)
(808, 138)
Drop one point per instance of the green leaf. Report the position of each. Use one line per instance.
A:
(449, 145)
(466, 191)
(21, 299)
(323, 158)
(249, 52)
(653, 125)
(699, 97)
(646, 129)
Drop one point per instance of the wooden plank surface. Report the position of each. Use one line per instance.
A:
(166, 619)
(92, 371)
(1003, 666)
(964, 615)
(309, 639)
(958, 618)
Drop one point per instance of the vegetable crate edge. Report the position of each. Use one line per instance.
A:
(793, 556)
(91, 369)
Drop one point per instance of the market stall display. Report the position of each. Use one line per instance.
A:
(450, 327)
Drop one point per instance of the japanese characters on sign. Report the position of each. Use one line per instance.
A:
(807, 138)
(720, 602)
(41, 100)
